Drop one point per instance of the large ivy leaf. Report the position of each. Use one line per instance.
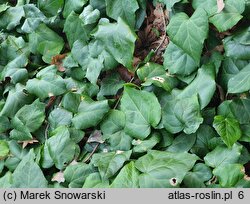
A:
(112, 128)
(50, 7)
(111, 85)
(93, 58)
(46, 42)
(222, 155)
(11, 17)
(90, 113)
(15, 100)
(134, 104)
(153, 73)
(240, 82)
(196, 178)
(109, 163)
(230, 68)
(46, 84)
(183, 114)
(59, 117)
(124, 9)
(75, 29)
(5, 124)
(228, 129)
(128, 177)
(120, 44)
(75, 6)
(226, 18)
(238, 42)
(94, 180)
(204, 85)
(182, 143)
(17, 152)
(163, 169)
(15, 70)
(6, 180)
(11, 48)
(189, 33)
(60, 147)
(141, 146)
(177, 61)
(240, 109)
(32, 115)
(33, 18)
(28, 174)
(229, 174)
(203, 137)
(76, 174)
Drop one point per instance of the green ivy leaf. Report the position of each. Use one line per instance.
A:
(59, 117)
(189, 33)
(76, 174)
(204, 85)
(120, 44)
(128, 177)
(238, 42)
(228, 129)
(75, 6)
(11, 17)
(109, 163)
(177, 61)
(50, 7)
(225, 19)
(134, 104)
(75, 29)
(112, 128)
(28, 174)
(60, 147)
(124, 9)
(182, 143)
(4, 149)
(196, 178)
(153, 73)
(182, 114)
(169, 3)
(90, 113)
(15, 100)
(229, 174)
(141, 146)
(46, 84)
(240, 82)
(222, 155)
(164, 169)
(33, 18)
(46, 42)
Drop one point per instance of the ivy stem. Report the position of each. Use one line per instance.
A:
(91, 154)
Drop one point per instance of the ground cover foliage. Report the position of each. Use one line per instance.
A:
(124, 93)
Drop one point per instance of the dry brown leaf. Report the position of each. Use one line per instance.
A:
(25, 143)
(59, 177)
(220, 5)
(57, 60)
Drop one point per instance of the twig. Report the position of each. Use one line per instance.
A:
(91, 154)
(165, 28)
(46, 131)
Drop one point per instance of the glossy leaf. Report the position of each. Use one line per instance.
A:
(222, 155)
(183, 31)
(163, 169)
(119, 44)
(135, 104)
(228, 129)
(90, 113)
